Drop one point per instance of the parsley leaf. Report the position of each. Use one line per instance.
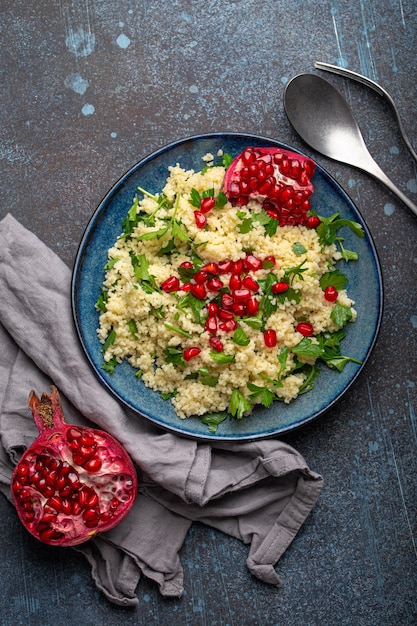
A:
(102, 300)
(195, 198)
(238, 404)
(240, 337)
(193, 303)
(330, 225)
(254, 322)
(246, 224)
(341, 314)
(220, 200)
(307, 348)
(297, 270)
(347, 255)
(265, 395)
(174, 356)
(312, 372)
(133, 328)
(221, 358)
(132, 218)
(140, 267)
(213, 420)
(110, 366)
(111, 338)
(110, 263)
(177, 329)
(333, 279)
(227, 159)
(298, 248)
(206, 378)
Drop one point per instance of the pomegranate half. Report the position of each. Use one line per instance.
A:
(72, 482)
(277, 179)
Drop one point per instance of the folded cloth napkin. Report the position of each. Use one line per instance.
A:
(260, 492)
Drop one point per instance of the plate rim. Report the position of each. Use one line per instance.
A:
(95, 217)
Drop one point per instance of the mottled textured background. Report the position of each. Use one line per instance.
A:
(89, 87)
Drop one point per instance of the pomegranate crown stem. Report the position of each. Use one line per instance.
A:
(47, 411)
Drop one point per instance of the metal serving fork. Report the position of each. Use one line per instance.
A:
(376, 87)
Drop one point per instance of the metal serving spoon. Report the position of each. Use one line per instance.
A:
(323, 119)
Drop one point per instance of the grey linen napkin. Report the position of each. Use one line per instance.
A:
(259, 492)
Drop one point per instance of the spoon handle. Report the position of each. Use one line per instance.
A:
(373, 168)
(327, 67)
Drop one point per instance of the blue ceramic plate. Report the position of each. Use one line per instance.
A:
(365, 287)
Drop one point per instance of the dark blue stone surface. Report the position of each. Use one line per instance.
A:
(88, 89)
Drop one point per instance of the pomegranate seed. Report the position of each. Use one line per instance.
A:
(93, 465)
(280, 287)
(76, 507)
(82, 496)
(235, 282)
(228, 326)
(225, 315)
(171, 284)
(74, 434)
(270, 338)
(87, 439)
(267, 186)
(237, 267)
(191, 353)
(214, 284)
(49, 534)
(305, 329)
(200, 219)
(253, 263)
(22, 470)
(216, 344)
(245, 173)
(86, 451)
(250, 283)
(186, 265)
(17, 485)
(331, 294)
(210, 268)
(227, 301)
(91, 518)
(224, 267)
(212, 308)
(206, 204)
(186, 287)
(252, 307)
(248, 155)
(239, 308)
(241, 295)
(25, 494)
(198, 291)
(55, 503)
(211, 325)
(66, 506)
(312, 221)
(200, 277)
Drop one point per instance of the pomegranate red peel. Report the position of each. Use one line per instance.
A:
(279, 180)
(72, 482)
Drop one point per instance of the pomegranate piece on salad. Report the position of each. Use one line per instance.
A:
(278, 179)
